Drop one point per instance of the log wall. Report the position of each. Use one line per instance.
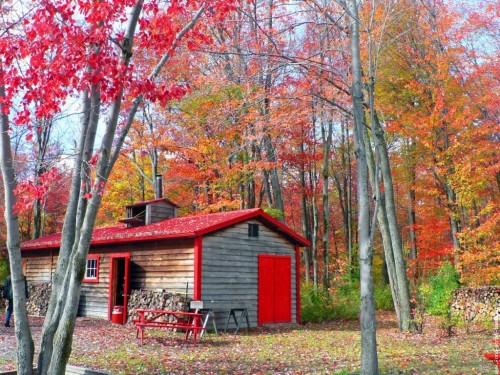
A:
(165, 266)
(39, 265)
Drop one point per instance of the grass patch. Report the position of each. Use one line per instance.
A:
(321, 348)
(313, 348)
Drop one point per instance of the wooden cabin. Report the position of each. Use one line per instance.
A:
(238, 259)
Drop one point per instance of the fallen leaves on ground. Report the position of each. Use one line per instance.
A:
(327, 348)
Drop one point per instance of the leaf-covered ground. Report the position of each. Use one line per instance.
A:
(330, 348)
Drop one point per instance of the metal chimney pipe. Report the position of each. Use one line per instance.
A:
(159, 186)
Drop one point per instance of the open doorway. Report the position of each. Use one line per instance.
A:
(119, 283)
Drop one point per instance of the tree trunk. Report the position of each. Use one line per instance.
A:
(153, 159)
(345, 192)
(270, 152)
(306, 226)
(326, 136)
(383, 227)
(313, 182)
(25, 346)
(80, 185)
(314, 242)
(412, 216)
(406, 318)
(37, 216)
(369, 359)
(82, 211)
(86, 215)
(42, 141)
(349, 206)
(412, 221)
(454, 221)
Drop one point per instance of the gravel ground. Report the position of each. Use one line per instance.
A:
(8, 340)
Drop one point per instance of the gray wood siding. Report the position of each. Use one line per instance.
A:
(158, 211)
(230, 268)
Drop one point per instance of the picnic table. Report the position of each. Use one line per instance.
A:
(188, 321)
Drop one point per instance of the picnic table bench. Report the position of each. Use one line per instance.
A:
(188, 321)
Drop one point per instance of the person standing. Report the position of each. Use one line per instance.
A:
(9, 296)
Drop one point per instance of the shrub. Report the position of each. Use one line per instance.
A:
(383, 297)
(436, 295)
(316, 306)
(3, 270)
(343, 303)
(346, 301)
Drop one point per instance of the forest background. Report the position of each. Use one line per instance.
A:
(258, 110)
(260, 116)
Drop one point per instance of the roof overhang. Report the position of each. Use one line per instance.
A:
(53, 241)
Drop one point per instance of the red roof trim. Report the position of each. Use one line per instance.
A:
(288, 231)
(55, 244)
(250, 215)
(256, 213)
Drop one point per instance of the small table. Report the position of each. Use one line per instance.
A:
(189, 321)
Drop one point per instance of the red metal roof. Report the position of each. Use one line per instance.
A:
(182, 227)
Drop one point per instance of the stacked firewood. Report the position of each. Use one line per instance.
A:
(162, 300)
(477, 304)
(39, 295)
(38, 301)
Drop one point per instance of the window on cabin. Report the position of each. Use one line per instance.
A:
(92, 269)
(253, 230)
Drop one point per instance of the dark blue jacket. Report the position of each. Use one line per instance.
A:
(7, 289)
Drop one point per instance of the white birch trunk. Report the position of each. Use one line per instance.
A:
(406, 319)
(80, 217)
(25, 346)
(384, 228)
(369, 358)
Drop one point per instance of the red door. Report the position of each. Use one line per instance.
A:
(275, 289)
(119, 283)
